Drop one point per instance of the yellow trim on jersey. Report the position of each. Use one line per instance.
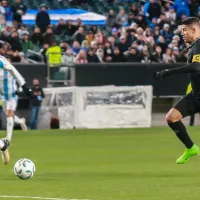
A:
(196, 58)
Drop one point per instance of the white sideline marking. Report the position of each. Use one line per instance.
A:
(44, 198)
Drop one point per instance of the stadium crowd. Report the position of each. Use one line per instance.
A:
(149, 33)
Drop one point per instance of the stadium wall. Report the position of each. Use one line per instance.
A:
(118, 74)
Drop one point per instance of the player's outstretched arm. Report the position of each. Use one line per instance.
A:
(189, 68)
(18, 77)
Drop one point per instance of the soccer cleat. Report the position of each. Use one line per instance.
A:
(188, 153)
(5, 153)
(23, 125)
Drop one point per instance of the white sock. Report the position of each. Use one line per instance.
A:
(10, 125)
(1, 143)
(18, 120)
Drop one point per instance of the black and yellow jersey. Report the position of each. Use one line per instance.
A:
(193, 56)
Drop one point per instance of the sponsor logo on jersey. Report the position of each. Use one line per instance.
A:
(196, 58)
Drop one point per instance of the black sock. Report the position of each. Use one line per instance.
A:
(181, 133)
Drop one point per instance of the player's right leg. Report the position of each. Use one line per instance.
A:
(185, 107)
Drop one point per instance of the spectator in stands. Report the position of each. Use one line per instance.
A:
(118, 56)
(36, 37)
(94, 46)
(79, 35)
(108, 50)
(157, 56)
(156, 34)
(85, 45)
(167, 57)
(100, 38)
(123, 44)
(111, 19)
(161, 42)
(2, 52)
(21, 31)
(2, 24)
(18, 9)
(115, 34)
(171, 15)
(166, 33)
(15, 57)
(53, 54)
(15, 42)
(42, 18)
(76, 47)
(70, 28)
(100, 55)
(69, 58)
(48, 37)
(7, 14)
(94, 29)
(148, 32)
(162, 20)
(26, 43)
(132, 55)
(22, 58)
(134, 9)
(2, 10)
(193, 6)
(64, 45)
(6, 46)
(81, 57)
(61, 27)
(111, 39)
(131, 18)
(78, 23)
(152, 9)
(92, 57)
(90, 37)
(145, 56)
(36, 100)
(175, 54)
(182, 7)
(141, 21)
(122, 18)
(43, 51)
(173, 44)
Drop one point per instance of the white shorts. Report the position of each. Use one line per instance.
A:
(10, 104)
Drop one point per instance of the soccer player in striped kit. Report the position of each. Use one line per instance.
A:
(8, 77)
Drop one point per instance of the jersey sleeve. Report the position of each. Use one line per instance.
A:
(196, 52)
(8, 67)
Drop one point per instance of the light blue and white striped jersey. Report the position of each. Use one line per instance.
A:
(8, 77)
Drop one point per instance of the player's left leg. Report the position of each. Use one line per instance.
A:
(185, 107)
(21, 122)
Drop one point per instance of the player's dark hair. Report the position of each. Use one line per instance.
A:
(191, 20)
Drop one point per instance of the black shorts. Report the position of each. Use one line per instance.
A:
(188, 105)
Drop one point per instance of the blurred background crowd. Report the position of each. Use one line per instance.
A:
(135, 31)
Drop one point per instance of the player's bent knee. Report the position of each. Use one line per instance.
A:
(173, 116)
(10, 113)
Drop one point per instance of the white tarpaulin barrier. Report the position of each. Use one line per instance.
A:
(100, 107)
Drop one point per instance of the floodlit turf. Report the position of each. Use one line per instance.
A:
(123, 164)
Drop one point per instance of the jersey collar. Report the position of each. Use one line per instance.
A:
(198, 39)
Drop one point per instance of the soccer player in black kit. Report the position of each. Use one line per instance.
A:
(189, 104)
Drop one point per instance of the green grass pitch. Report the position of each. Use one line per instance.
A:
(115, 164)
